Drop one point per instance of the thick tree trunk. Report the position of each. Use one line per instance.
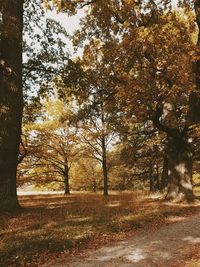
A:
(66, 180)
(179, 170)
(180, 156)
(11, 100)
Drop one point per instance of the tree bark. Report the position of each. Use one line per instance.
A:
(104, 166)
(66, 180)
(11, 100)
(180, 185)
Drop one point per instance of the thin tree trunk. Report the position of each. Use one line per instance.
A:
(151, 185)
(66, 180)
(105, 178)
(94, 183)
(123, 186)
(104, 166)
(157, 187)
(179, 170)
(104, 154)
(94, 186)
(11, 100)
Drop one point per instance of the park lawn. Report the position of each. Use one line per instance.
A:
(57, 225)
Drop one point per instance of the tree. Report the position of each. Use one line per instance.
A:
(44, 52)
(147, 44)
(162, 89)
(90, 81)
(53, 146)
(97, 136)
(11, 95)
(11, 99)
(86, 173)
(138, 156)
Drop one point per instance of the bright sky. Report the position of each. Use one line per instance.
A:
(69, 23)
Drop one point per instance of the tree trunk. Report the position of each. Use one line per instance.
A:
(11, 100)
(104, 153)
(179, 169)
(94, 186)
(180, 156)
(151, 184)
(105, 177)
(94, 183)
(151, 180)
(104, 166)
(123, 184)
(66, 180)
(157, 180)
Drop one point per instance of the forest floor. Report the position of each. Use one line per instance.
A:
(57, 230)
(169, 245)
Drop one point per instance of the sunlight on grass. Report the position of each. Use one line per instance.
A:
(114, 204)
(175, 219)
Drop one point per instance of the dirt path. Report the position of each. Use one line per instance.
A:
(159, 247)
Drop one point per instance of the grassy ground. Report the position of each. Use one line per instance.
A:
(56, 225)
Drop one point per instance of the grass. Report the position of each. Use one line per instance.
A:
(56, 224)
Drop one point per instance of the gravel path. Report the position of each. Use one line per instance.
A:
(158, 248)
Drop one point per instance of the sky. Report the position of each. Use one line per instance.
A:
(70, 24)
